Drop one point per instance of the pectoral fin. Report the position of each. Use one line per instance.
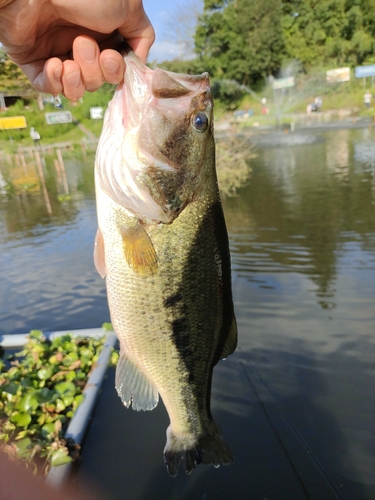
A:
(133, 387)
(139, 251)
(99, 257)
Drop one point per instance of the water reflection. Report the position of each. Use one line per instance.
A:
(300, 208)
(25, 212)
(49, 281)
(303, 249)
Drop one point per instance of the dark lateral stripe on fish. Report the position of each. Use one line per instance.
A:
(173, 300)
(189, 359)
(189, 353)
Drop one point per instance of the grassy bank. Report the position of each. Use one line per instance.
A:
(339, 100)
(340, 96)
(11, 139)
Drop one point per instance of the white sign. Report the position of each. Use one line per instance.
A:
(338, 75)
(96, 113)
(58, 117)
(283, 83)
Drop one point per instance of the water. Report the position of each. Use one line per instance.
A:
(303, 250)
(49, 281)
(302, 236)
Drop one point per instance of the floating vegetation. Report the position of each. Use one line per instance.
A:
(40, 390)
(233, 154)
(64, 197)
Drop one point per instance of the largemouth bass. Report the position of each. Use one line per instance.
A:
(163, 246)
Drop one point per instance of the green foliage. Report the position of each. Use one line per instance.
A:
(92, 99)
(247, 41)
(34, 118)
(335, 32)
(186, 67)
(241, 40)
(11, 77)
(59, 132)
(39, 394)
(228, 91)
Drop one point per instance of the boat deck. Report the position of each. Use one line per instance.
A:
(122, 455)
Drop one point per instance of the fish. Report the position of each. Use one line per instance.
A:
(162, 246)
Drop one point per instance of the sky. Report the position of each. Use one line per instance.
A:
(158, 12)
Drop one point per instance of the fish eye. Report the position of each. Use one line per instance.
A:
(200, 121)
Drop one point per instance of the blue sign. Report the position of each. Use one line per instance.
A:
(363, 71)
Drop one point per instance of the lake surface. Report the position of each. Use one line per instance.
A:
(302, 236)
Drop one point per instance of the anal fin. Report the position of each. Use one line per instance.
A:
(133, 386)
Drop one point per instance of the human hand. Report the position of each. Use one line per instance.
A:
(67, 46)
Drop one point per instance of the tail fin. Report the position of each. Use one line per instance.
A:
(208, 449)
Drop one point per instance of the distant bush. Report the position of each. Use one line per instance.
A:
(229, 92)
(233, 154)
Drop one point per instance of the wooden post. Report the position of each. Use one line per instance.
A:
(58, 171)
(63, 172)
(43, 182)
(23, 163)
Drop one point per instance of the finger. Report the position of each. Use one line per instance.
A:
(45, 75)
(113, 66)
(141, 46)
(141, 39)
(72, 80)
(51, 76)
(86, 54)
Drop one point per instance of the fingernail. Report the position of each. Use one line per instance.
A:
(73, 79)
(57, 73)
(87, 52)
(111, 65)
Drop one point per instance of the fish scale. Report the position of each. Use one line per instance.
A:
(168, 277)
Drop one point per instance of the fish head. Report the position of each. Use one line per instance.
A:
(156, 151)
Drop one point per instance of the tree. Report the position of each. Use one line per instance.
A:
(241, 39)
(11, 77)
(329, 32)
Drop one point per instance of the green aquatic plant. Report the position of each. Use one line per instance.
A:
(64, 197)
(40, 389)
